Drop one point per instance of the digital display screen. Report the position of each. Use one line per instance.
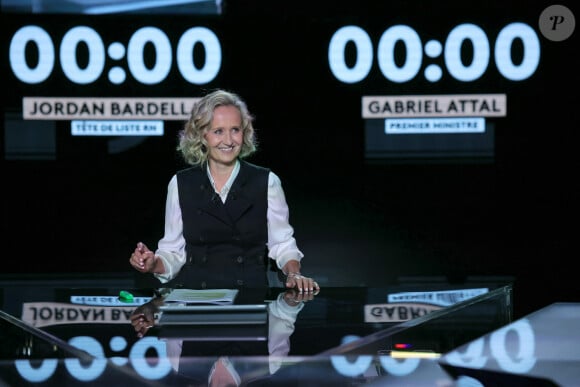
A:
(57, 64)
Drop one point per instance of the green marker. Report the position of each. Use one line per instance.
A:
(125, 296)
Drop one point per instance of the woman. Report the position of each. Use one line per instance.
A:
(225, 217)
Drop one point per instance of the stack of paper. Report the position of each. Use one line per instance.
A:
(205, 296)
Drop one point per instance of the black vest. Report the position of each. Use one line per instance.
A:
(226, 243)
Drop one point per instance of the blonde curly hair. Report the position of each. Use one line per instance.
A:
(192, 144)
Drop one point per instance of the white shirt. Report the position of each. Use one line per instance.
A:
(281, 242)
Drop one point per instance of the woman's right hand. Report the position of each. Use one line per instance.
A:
(143, 259)
(143, 318)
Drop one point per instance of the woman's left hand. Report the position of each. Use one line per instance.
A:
(293, 298)
(295, 280)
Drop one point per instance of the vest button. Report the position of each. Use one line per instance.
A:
(240, 259)
(203, 285)
(240, 282)
(204, 259)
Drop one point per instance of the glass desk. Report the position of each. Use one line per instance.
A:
(541, 349)
(58, 335)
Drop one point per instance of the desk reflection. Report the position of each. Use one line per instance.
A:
(222, 368)
(301, 342)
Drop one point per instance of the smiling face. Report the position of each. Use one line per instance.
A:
(225, 137)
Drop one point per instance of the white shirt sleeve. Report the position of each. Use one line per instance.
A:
(281, 242)
(281, 325)
(171, 248)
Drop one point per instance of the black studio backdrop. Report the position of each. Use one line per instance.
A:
(80, 203)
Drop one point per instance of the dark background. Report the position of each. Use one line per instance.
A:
(358, 223)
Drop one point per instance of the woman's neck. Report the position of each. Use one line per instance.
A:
(220, 173)
(218, 170)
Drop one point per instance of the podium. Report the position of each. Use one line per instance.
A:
(248, 322)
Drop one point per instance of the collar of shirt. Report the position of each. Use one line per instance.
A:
(226, 188)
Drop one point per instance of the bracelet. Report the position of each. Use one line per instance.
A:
(293, 274)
